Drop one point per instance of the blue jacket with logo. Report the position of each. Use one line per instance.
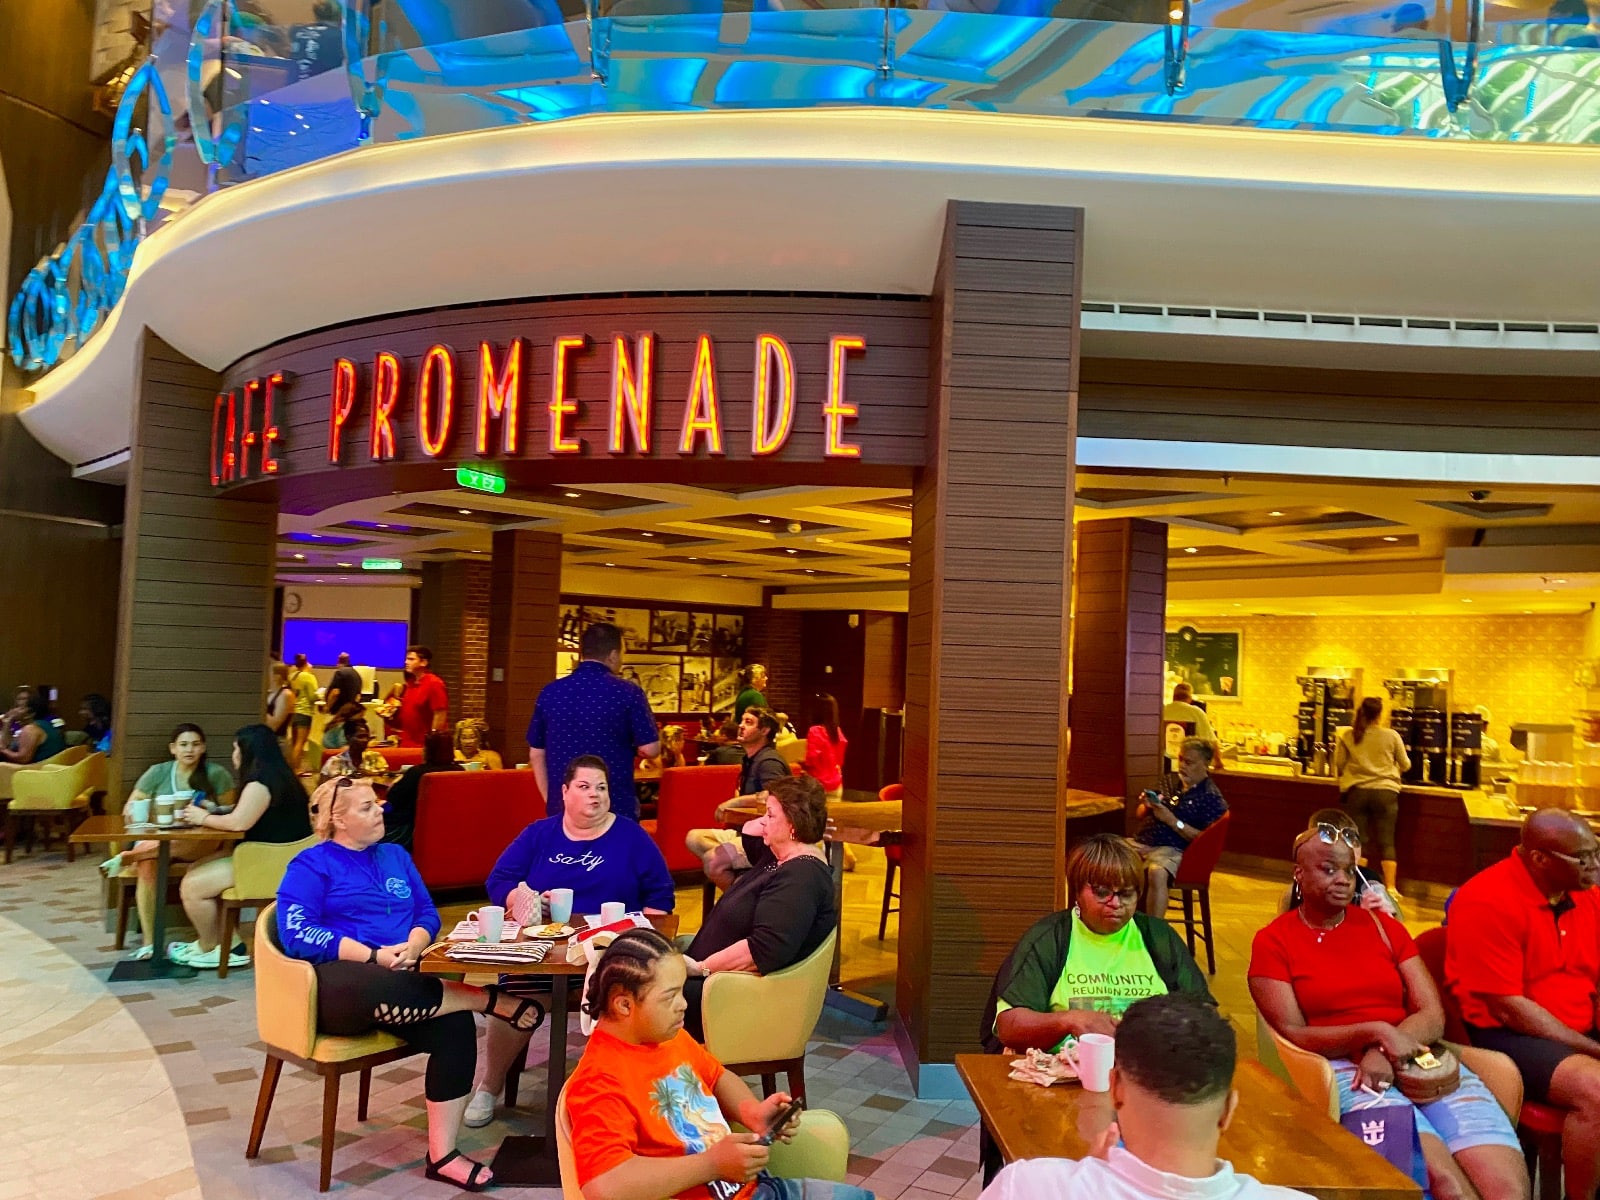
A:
(373, 896)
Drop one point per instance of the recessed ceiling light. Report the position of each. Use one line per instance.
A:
(693, 558)
(1527, 612)
(809, 571)
(319, 581)
(572, 495)
(1391, 538)
(1191, 549)
(382, 526)
(1547, 591)
(465, 512)
(790, 550)
(610, 564)
(646, 533)
(344, 564)
(1465, 600)
(1558, 581)
(300, 557)
(764, 520)
(1275, 513)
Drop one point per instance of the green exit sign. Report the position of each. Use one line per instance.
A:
(480, 481)
(382, 564)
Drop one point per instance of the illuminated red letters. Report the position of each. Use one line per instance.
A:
(341, 401)
(701, 414)
(385, 394)
(247, 431)
(631, 396)
(269, 429)
(499, 395)
(433, 430)
(562, 405)
(837, 411)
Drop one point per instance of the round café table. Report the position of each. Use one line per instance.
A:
(111, 830)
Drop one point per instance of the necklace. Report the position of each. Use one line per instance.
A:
(1321, 931)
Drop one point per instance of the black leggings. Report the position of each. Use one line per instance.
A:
(1379, 806)
(355, 998)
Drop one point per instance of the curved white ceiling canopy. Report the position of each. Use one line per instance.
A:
(841, 200)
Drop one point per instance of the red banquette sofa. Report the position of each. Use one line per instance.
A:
(465, 819)
(689, 799)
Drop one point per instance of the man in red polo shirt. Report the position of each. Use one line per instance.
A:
(1523, 961)
(424, 704)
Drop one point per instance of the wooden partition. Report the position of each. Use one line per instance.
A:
(986, 665)
(524, 619)
(197, 578)
(1120, 577)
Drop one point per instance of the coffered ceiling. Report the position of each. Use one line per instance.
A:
(1268, 544)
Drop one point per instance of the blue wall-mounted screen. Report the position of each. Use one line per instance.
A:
(380, 644)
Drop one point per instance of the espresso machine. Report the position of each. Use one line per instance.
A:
(1329, 696)
(1466, 749)
(1424, 693)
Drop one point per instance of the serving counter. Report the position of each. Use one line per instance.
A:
(1443, 835)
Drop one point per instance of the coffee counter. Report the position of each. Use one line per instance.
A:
(1442, 837)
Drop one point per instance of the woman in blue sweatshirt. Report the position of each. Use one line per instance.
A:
(356, 908)
(585, 848)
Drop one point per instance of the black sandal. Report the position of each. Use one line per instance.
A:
(516, 1019)
(431, 1170)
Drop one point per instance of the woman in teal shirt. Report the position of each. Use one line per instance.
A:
(39, 738)
(1076, 972)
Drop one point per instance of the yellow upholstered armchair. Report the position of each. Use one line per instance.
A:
(286, 1021)
(1312, 1075)
(820, 1149)
(760, 1024)
(54, 793)
(10, 770)
(258, 869)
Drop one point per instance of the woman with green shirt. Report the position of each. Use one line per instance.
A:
(191, 777)
(1076, 972)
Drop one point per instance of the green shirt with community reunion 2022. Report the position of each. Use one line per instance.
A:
(1061, 964)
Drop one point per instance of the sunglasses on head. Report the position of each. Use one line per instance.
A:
(1333, 834)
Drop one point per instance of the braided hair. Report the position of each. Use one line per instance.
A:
(628, 963)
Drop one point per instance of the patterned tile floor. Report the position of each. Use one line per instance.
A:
(163, 1076)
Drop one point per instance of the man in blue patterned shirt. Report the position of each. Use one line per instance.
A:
(593, 711)
(1170, 825)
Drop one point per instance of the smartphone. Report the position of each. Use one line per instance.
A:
(778, 1123)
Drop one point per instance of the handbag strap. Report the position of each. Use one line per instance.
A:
(1383, 933)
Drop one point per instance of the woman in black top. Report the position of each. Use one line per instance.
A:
(400, 806)
(272, 807)
(780, 910)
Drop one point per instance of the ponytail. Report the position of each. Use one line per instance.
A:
(1368, 714)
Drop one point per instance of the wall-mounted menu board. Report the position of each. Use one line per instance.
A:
(1207, 660)
(687, 659)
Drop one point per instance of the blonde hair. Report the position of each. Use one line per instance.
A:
(329, 795)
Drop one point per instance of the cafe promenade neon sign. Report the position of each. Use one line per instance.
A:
(427, 394)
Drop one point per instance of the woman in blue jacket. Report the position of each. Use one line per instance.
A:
(356, 908)
(586, 848)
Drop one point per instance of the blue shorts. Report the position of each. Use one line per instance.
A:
(769, 1187)
(1469, 1116)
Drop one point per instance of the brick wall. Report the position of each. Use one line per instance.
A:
(772, 638)
(453, 621)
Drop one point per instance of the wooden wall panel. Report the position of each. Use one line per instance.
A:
(1376, 410)
(524, 621)
(1118, 655)
(193, 637)
(987, 629)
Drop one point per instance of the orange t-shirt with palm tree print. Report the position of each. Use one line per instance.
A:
(656, 1101)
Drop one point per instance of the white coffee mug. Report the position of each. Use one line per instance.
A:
(560, 905)
(612, 911)
(139, 811)
(491, 920)
(1096, 1053)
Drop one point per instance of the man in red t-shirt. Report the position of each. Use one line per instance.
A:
(1523, 961)
(424, 705)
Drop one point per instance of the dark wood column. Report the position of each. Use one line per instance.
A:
(524, 619)
(453, 622)
(197, 578)
(1120, 573)
(986, 669)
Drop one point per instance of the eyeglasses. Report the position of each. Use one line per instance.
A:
(1587, 858)
(1333, 834)
(1126, 895)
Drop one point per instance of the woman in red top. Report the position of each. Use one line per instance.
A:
(1347, 983)
(825, 745)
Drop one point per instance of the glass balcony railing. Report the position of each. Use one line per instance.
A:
(259, 86)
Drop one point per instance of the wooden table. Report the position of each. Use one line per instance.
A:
(1275, 1135)
(531, 1161)
(110, 829)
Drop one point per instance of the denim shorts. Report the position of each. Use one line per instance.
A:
(1469, 1116)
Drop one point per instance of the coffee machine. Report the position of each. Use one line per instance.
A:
(1424, 693)
(1329, 696)
(1466, 749)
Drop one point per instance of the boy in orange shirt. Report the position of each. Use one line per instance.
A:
(650, 1108)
